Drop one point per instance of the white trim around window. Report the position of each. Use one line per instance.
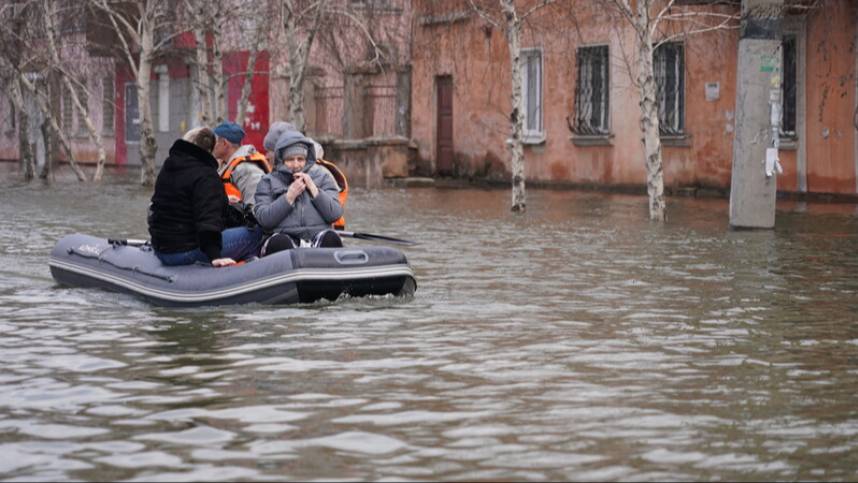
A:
(532, 67)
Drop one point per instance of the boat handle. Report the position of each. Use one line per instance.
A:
(351, 257)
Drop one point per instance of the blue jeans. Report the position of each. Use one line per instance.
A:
(237, 243)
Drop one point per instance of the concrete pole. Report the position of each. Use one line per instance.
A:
(758, 80)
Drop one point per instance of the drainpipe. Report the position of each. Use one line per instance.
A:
(163, 98)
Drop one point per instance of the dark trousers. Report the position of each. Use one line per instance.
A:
(283, 241)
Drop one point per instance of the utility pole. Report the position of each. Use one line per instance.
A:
(753, 188)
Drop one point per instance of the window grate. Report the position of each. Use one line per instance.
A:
(67, 110)
(788, 87)
(669, 67)
(591, 91)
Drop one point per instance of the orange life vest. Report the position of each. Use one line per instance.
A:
(232, 191)
(344, 189)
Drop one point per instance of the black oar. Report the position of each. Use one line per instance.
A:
(362, 236)
(370, 236)
(131, 242)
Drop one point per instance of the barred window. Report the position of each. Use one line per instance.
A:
(72, 18)
(13, 115)
(591, 91)
(788, 87)
(83, 97)
(532, 80)
(669, 66)
(107, 106)
(67, 111)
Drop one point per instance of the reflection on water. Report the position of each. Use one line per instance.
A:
(576, 342)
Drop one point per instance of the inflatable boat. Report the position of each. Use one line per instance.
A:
(301, 275)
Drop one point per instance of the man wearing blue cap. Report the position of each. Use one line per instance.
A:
(240, 166)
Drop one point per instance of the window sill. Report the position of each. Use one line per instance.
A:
(676, 141)
(788, 144)
(592, 139)
(533, 139)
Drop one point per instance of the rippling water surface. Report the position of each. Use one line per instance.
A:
(576, 342)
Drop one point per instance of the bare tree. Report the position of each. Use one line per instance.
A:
(259, 41)
(14, 18)
(73, 82)
(23, 65)
(508, 16)
(301, 21)
(136, 25)
(26, 147)
(656, 22)
(206, 20)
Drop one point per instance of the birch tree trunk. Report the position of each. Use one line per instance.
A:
(246, 87)
(50, 139)
(299, 54)
(513, 33)
(649, 120)
(219, 111)
(94, 135)
(148, 144)
(50, 151)
(248, 76)
(25, 147)
(202, 80)
(296, 75)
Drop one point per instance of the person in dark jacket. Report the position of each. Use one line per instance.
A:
(298, 201)
(186, 217)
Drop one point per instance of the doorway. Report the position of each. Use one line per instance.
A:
(444, 124)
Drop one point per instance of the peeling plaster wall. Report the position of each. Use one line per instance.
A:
(449, 41)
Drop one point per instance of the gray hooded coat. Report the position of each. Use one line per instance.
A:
(308, 215)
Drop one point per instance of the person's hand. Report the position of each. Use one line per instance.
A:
(223, 262)
(295, 189)
(308, 182)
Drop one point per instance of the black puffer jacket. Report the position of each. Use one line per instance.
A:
(189, 203)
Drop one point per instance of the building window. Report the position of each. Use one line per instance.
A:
(372, 3)
(669, 66)
(132, 114)
(788, 87)
(107, 106)
(13, 114)
(591, 91)
(67, 111)
(72, 19)
(81, 116)
(532, 84)
(163, 112)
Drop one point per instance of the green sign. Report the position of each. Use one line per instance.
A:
(769, 63)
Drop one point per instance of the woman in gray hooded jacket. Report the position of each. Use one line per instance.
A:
(299, 198)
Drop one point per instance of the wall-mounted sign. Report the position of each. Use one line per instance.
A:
(713, 91)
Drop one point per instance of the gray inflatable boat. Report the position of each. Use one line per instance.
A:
(294, 276)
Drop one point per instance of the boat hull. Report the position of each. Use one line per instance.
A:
(302, 275)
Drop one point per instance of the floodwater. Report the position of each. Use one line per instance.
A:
(576, 342)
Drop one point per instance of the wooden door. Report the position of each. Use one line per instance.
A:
(444, 136)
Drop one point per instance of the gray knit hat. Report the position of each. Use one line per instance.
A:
(297, 149)
(274, 132)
